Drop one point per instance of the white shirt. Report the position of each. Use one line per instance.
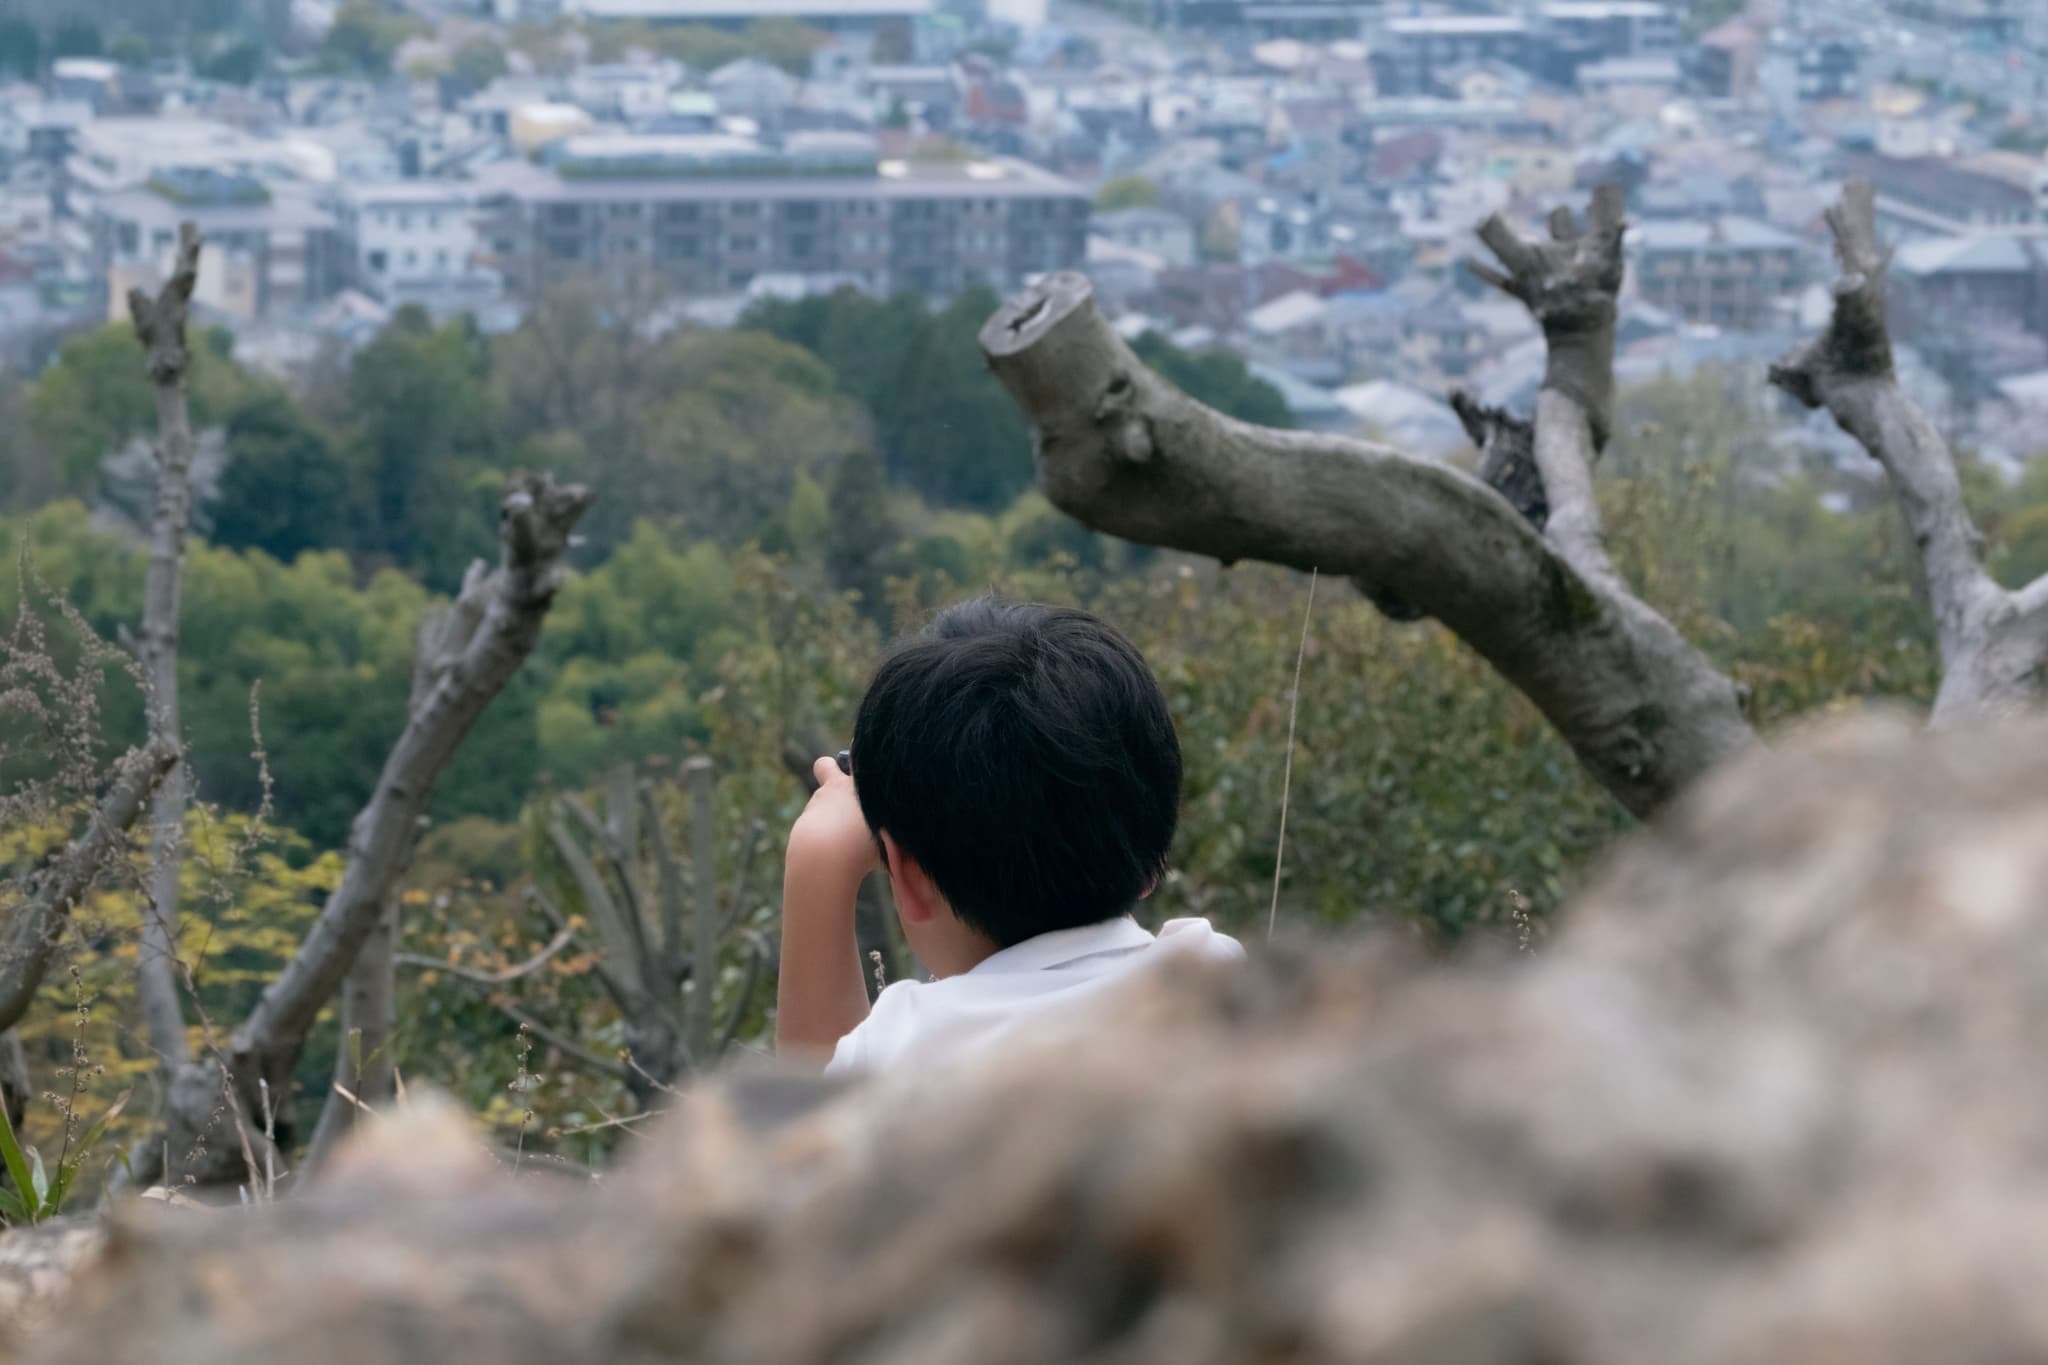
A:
(917, 1022)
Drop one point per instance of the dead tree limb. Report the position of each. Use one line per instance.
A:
(1994, 643)
(1127, 453)
(490, 629)
(37, 923)
(160, 327)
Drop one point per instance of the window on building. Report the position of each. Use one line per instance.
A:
(440, 260)
(740, 245)
(410, 258)
(433, 222)
(378, 262)
(801, 245)
(405, 222)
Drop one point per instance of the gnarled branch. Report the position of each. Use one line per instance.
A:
(38, 923)
(1128, 454)
(160, 327)
(1994, 644)
(493, 627)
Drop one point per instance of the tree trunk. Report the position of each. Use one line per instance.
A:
(1128, 454)
(363, 1062)
(1993, 642)
(485, 636)
(160, 327)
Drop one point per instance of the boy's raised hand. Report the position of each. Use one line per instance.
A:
(830, 843)
(821, 992)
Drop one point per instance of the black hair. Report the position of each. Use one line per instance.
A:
(1023, 755)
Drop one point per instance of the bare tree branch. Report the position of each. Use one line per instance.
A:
(160, 327)
(1569, 285)
(564, 1044)
(507, 607)
(38, 922)
(704, 923)
(1127, 453)
(1994, 644)
(519, 971)
(1507, 455)
(760, 959)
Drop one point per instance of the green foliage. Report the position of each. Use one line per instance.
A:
(36, 1195)
(1216, 377)
(477, 63)
(21, 47)
(236, 64)
(77, 36)
(1127, 192)
(946, 428)
(700, 47)
(784, 42)
(364, 36)
(424, 390)
(284, 485)
(97, 396)
(862, 533)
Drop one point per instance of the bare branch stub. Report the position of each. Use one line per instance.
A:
(1857, 344)
(1507, 455)
(1645, 711)
(1569, 284)
(160, 322)
(510, 604)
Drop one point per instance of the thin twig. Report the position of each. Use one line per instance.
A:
(568, 1047)
(1287, 768)
(563, 937)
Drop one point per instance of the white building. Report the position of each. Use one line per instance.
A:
(409, 234)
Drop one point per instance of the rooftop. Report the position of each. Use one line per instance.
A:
(1730, 232)
(705, 11)
(998, 178)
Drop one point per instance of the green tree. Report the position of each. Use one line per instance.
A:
(129, 48)
(947, 430)
(423, 447)
(365, 35)
(21, 47)
(236, 64)
(96, 396)
(284, 490)
(1216, 377)
(860, 540)
(1127, 192)
(699, 46)
(787, 43)
(76, 36)
(477, 63)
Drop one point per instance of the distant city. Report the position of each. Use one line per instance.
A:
(1296, 180)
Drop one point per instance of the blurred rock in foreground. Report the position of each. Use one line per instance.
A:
(1773, 1094)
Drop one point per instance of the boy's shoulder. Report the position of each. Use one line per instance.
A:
(911, 1018)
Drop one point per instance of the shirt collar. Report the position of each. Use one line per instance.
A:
(1062, 946)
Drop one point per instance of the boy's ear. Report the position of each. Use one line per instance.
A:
(917, 900)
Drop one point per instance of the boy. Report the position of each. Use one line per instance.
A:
(1015, 770)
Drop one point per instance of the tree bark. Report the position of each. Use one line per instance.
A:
(363, 1064)
(489, 631)
(38, 923)
(1993, 642)
(1125, 452)
(160, 327)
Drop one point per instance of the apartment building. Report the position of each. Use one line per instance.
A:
(269, 249)
(709, 213)
(408, 234)
(1730, 272)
